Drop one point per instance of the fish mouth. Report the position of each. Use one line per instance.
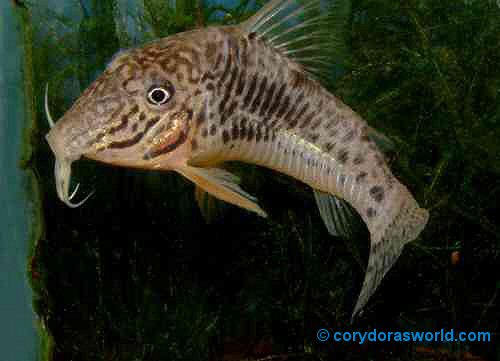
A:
(62, 168)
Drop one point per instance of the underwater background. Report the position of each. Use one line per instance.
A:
(138, 274)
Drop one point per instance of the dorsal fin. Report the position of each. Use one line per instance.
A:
(305, 31)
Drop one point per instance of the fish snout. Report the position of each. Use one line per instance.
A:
(60, 145)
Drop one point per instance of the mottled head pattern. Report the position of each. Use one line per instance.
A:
(139, 109)
(137, 112)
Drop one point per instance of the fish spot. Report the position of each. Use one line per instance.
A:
(266, 135)
(222, 105)
(213, 129)
(258, 96)
(142, 116)
(358, 159)
(343, 156)
(226, 70)
(333, 132)
(225, 136)
(300, 115)
(123, 124)
(349, 136)
(134, 110)
(276, 102)
(377, 193)
(250, 134)
(258, 135)
(204, 132)
(289, 116)
(202, 117)
(235, 132)
(232, 107)
(232, 80)
(306, 122)
(248, 97)
(189, 115)
(244, 121)
(361, 177)
(371, 212)
(329, 146)
(241, 82)
(284, 107)
(243, 131)
(317, 123)
(207, 76)
(194, 144)
(267, 101)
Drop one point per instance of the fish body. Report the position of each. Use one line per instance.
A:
(194, 100)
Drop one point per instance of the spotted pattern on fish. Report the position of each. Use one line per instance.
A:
(235, 97)
(377, 193)
(358, 159)
(343, 156)
(371, 212)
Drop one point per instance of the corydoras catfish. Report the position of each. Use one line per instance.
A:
(248, 93)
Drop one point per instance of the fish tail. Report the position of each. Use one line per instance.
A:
(387, 245)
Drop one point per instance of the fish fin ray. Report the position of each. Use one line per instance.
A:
(222, 185)
(302, 30)
(210, 207)
(386, 248)
(381, 259)
(383, 142)
(336, 214)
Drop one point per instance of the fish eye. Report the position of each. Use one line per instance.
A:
(158, 95)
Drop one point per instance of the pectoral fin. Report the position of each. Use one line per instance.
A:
(223, 185)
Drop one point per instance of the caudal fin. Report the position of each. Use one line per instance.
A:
(386, 247)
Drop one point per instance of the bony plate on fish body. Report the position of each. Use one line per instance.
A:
(251, 93)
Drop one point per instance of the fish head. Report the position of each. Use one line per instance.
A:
(136, 114)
